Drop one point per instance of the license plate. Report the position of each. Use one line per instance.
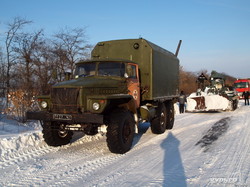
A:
(62, 116)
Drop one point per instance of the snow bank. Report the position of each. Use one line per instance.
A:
(16, 136)
(13, 144)
(216, 102)
(191, 104)
(176, 108)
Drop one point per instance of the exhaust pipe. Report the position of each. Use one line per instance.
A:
(178, 48)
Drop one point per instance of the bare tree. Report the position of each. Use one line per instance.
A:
(2, 74)
(33, 62)
(12, 32)
(27, 45)
(70, 46)
(62, 63)
(187, 82)
(45, 66)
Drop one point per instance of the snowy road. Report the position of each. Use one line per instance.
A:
(203, 149)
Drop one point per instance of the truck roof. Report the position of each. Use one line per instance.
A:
(153, 46)
(105, 60)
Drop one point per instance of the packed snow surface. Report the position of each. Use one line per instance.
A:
(203, 149)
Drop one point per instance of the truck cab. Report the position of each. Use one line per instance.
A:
(111, 77)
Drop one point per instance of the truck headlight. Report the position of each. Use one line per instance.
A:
(44, 104)
(96, 106)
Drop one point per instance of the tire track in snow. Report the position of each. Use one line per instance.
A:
(217, 130)
(55, 173)
(114, 178)
(116, 175)
(26, 147)
(12, 157)
(24, 155)
(128, 165)
(113, 172)
(153, 140)
(240, 155)
(31, 159)
(52, 170)
(192, 154)
(183, 124)
(73, 169)
(226, 166)
(139, 149)
(92, 159)
(66, 173)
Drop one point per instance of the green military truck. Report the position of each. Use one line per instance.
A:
(125, 82)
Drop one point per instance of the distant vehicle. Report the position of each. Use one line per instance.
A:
(124, 82)
(215, 97)
(242, 85)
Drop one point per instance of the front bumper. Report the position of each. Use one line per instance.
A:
(66, 118)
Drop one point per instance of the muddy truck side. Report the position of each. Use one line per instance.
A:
(124, 83)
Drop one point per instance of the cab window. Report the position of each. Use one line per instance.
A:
(111, 69)
(131, 71)
(86, 69)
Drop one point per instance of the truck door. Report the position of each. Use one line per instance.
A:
(133, 82)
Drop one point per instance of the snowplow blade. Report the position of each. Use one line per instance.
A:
(200, 103)
(207, 103)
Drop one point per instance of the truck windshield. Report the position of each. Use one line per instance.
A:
(241, 85)
(111, 69)
(84, 70)
(103, 69)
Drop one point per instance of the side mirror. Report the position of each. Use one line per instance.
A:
(126, 75)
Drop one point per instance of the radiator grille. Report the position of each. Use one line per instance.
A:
(65, 100)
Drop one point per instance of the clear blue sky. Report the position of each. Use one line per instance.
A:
(215, 33)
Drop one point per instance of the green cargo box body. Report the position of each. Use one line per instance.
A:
(159, 68)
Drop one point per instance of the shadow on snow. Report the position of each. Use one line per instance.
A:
(173, 170)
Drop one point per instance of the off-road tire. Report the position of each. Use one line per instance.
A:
(158, 124)
(170, 114)
(120, 131)
(53, 136)
(234, 104)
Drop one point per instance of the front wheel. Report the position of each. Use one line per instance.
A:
(120, 131)
(55, 135)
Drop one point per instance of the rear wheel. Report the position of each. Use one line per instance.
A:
(55, 135)
(120, 131)
(170, 114)
(158, 124)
